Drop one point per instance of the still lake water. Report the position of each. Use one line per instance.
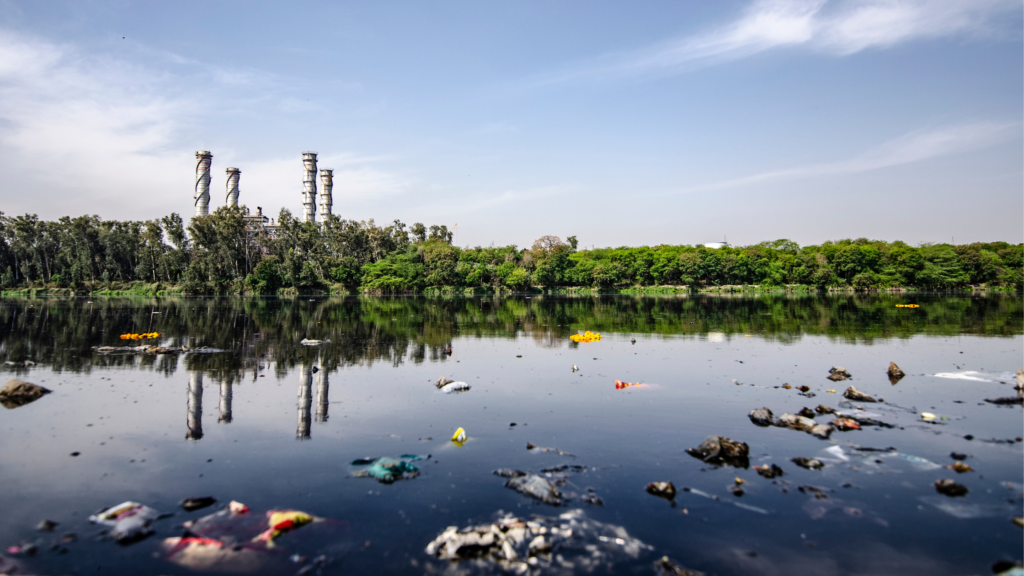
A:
(257, 424)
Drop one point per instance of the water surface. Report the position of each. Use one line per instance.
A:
(275, 424)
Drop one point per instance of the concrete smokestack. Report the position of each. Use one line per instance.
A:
(231, 197)
(202, 194)
(326, 200)
(309, 187)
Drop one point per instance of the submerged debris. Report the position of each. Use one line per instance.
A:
(950, 488)
(534, 448)
(858, 396)
(17, 393)
(722, 450)
(570, 542)
(388, 470)
(533, 485)
(190, 504)
(808, 463)
(772, 471)
(130, 521)
(822, 409)
(666, 490)
(664, 566)
(1006, 401)
(822, 431)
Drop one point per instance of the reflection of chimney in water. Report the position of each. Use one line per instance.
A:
(195, 406)
(305, 401)
(225, 403)
(321, 396)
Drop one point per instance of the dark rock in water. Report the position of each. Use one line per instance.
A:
(808, 463)
(190, 504)
(957, 456)
(858, 396)
(722, 450)
(509, 473)
(950, 488)
(737, 490)
(536, 487)
(665, 490)
(767, 471)
(822, 409)
(840, 371)
(895, 374)
(762, 417)
(666, 567)
(47, 526)
(17, 393)
(1006, 401)
(806, 412)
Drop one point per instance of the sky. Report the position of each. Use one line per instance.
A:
(621, 123)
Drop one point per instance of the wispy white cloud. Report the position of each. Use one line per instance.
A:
(914, 147)
(839, 27)
(81, 133)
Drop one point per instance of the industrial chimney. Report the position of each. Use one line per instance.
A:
(231, 199)
(326, 201)
(202, 194)
(309, 187)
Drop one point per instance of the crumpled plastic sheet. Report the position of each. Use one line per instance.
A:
(570, 543)
(387, 470)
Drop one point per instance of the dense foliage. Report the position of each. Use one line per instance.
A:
(220, 254)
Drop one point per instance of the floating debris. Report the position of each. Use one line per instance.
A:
(538, 545)
(455, 387)
(308, 342)
(664, 566)
(808, 463)
(665, 490)
(533, 485)
(857, 396)
(950, 488)
(587, 336)
(762, 417)
(894, 373)
(459, 438)
(191, 504)
(722, 450)
(130, 521)
(838, 374)
(769, 471)
(960, 467)
(534, 448)
(388, 470)
(1006, 401)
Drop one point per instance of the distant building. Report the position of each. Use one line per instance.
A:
(716, 245)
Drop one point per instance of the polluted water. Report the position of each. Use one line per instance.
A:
(677, 434)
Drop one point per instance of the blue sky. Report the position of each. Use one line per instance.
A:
(622, 123)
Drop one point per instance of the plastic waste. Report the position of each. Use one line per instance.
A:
(532, 485)
(442, 381)
(130, 521)
(281, 521)
(587, 336)
(762, 417)
(209, 555)
(455, 387)
(838, 374)
(960, 467)
(538, 545)
(388, 470)
(459, 438)
(769, 471)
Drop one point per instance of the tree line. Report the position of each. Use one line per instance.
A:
(221, 254)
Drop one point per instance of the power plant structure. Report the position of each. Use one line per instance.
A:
(202, 193)
(231, 196)
(327, 186)
(309, 187)
(259, 224)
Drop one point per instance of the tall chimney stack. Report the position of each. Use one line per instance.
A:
(309, 187)
(202, 194)
(326, 200)
(232, 186)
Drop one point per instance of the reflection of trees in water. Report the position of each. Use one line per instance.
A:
(61, 333)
